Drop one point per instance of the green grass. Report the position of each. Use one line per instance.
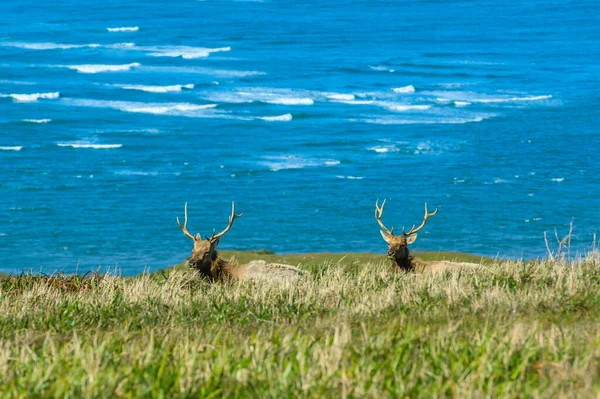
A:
(350, 328)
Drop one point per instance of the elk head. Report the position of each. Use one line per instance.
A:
(398, 244)
(204, 253)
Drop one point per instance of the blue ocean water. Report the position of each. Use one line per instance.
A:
(114, 114)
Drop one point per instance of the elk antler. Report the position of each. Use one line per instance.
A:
(427, 216)
(378, 214)
(184, 227)
(231, 219)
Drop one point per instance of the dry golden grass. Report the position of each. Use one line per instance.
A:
(507, 329)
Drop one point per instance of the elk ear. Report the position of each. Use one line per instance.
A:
(386, 236)
(411, 238)
(198, 238)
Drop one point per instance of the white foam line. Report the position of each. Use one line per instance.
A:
(89, 145)
(511, 99)
(404, 90)
(28, 98)
(12, 148)
(462, 103)
(47, 46)
(156, 89)
(124, 29)
(395, 121)
(280, 118)
(98, 68)
(37, 120)
(174, 109)
(220, 73)
(184, 52)
(341, 97)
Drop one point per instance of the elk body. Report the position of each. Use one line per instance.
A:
(209, 264)
(398, 246)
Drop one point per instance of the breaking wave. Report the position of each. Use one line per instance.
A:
(98, 68)
(156, 89)
(90, 145)
(406, 89)
(37, 120)
(280, 118)
(175, 109)
(341, 97)
(264, 95)
(47, 46)
(284, 162)
(124, 29)
(11, 148)
(184, 52)
(28, 98)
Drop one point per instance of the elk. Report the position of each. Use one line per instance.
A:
(209, 264)
(398, 246)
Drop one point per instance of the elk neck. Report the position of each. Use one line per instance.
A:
(402, 260)
(217, 269)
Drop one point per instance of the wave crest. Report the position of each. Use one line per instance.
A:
(280, 118)
(28, 98)
(124, 29)
(98, 68)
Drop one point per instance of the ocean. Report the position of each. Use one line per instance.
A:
(115, 114)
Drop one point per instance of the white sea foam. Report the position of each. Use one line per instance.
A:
(500, 181)
(341, 96)
(27, 98)
(90, 145)
(290, 101)
(174, 109)
(381, 68)
(406, 89)
(350, 177)
(265, 95)
(284, 162)
(416, 121)
(11, 148)
(383, 149)
(472, 97)
(47, 46)
(359, 102)
(405, 107)
(37, 120)
(220, 73)
(17, 82)
(156, 89)
(98, 68)
(442, 100)
(462, 103)
(558, 179)
(280, 118)
(135, 173)
(124, 29)
(512, 99)
(168, 108)
(184, 52)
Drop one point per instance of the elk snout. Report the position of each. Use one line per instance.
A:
(391, 253)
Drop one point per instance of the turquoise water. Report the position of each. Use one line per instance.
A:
(114, 114)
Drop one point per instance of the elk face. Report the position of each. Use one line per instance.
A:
(204, 252)
(398, 244)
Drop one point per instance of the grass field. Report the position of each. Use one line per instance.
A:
(350, 328)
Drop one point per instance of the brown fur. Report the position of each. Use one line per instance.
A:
(399, 253)
(209, 264)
